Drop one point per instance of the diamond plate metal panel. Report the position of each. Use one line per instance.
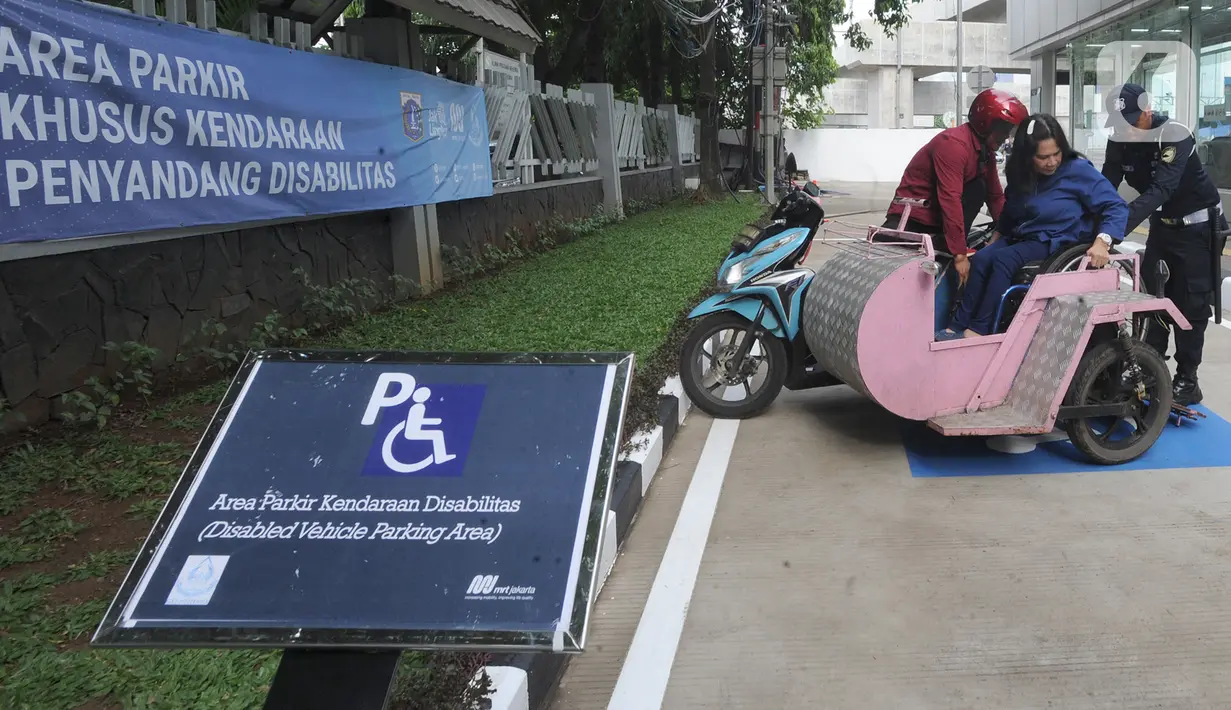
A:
(834, 306)
(1050, 354)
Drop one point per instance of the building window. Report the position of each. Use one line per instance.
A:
(1212, 33)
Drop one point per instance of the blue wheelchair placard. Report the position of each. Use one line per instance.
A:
(387, 500)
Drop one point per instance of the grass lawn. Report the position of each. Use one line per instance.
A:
(76, 504)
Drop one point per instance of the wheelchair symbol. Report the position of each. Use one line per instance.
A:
(412, 429)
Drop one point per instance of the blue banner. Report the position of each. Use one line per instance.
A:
(385, 496)
(113, 123)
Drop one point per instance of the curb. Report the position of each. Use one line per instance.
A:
(526, 681)
(1137, 247)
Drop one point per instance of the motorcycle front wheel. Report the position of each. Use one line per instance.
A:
(721, 387)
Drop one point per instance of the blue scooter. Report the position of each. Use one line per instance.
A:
(753, 322)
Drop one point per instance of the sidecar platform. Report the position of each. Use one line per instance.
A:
(1034, 397)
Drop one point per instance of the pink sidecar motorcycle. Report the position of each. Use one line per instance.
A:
(1064, 354)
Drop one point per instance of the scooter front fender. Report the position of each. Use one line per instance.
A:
(746, 307)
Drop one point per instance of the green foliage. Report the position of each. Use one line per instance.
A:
(441, 681)
(98, 400)
(37, 537)
(270, 332)
(345, 300)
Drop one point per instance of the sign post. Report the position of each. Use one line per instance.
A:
(348, 505)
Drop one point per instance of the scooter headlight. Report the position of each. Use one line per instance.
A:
(734, 274)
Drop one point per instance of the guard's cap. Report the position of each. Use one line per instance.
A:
(1129, 102)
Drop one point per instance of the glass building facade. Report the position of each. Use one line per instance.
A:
(1192, 87)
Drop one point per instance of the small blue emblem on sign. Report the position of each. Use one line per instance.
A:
(412, 115)
(197, 580)
(421, 430)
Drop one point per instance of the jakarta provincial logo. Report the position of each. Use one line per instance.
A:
(421, 429)
(412, 115)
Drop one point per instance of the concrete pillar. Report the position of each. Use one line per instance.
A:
(673, 144)
(1043, 83)
(605, 142)
(906, 98)
(414, 232)
(881, 104)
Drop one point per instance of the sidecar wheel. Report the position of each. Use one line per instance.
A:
(705, 368)
(1099, 380)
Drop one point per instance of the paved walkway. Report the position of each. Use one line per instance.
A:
(791, 561)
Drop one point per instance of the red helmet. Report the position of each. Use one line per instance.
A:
(995, 105)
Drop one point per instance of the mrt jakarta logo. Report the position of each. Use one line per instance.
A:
(421, 429)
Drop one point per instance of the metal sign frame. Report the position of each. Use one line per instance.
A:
(113, 633)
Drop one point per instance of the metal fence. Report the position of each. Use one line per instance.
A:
(554, 130)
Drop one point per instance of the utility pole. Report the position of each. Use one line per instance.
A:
(897, 86)
(767, 114)
(957, 84)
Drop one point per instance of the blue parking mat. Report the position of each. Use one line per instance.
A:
(1205, 443)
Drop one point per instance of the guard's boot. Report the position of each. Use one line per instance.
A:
(1187, 391)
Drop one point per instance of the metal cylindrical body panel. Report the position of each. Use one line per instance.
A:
(869, 319)
(836, 302)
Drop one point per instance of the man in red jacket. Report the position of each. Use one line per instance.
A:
(956, 173)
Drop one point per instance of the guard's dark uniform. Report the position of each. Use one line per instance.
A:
(1183, 206)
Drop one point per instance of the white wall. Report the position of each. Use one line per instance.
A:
(856, 154)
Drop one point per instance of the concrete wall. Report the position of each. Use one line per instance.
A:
(57, 312)
(470, 225)
(856, 155)
(649, 185)
(937, 97)
(848, 95)
(934, 45)
(972, 10)
(853, 99)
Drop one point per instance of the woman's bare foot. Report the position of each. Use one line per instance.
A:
(971, 334)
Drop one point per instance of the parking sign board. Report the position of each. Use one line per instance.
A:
(387, 500)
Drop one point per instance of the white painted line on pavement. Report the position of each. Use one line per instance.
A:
(647, 668)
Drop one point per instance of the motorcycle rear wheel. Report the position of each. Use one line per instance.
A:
(709, 391)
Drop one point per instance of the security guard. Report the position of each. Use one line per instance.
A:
(1158, 158)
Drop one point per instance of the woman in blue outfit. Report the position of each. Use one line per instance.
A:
(1055, 198)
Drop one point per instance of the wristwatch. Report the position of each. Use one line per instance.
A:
(1106, 239)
